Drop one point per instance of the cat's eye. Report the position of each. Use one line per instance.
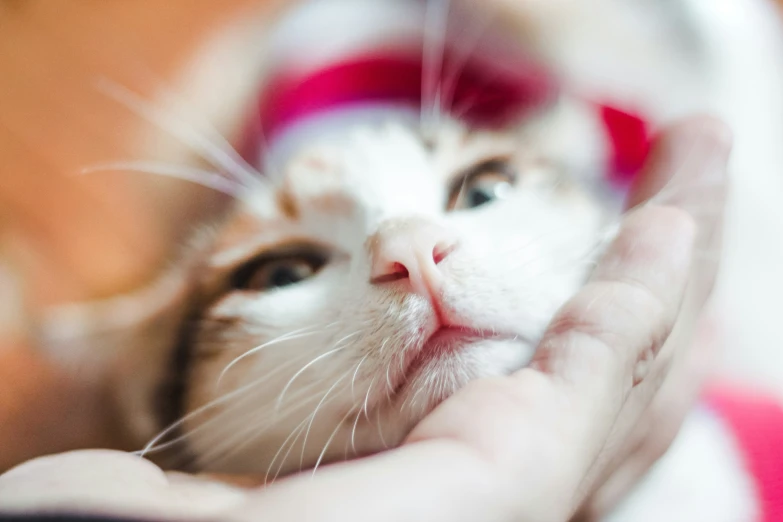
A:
(278, 271)
(482, 184)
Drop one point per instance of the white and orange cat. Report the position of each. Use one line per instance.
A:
(403, 241)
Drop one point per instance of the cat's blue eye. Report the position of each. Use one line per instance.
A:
(478, 196)
(278, 272)
(482, 185)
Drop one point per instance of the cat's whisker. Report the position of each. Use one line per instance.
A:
(263, 419)
(353, 430)
(353, 379)
(299, 431)
(469, 44)
(230, 446)
(321, 357)
(380, 428)
(241, 435)
(187, 116)
(153, 445)
(412, 400)
(315, 412)
(269, 161)
(291, 446)
(244, 168)
(459, 112)
(329, 442)
(297, 394)
(434, 47)
(401, 357)
(217, 154)
(295, 432)
(205, 178)
(462, 188)
(290, 336)
(367, 398)
(389, 385)
(231, 396)
(347, 337)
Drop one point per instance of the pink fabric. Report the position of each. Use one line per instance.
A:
(485, 93)
(756, 423)
(630, 140)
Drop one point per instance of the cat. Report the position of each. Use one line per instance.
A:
(382, 263)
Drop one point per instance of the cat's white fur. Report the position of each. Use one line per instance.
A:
(352, 341)
(514, 262)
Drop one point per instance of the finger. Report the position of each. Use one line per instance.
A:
(688, 169)
(690, 162)
(613, 328)
(677, 158)
(660, 425)
(700, 156)
(604, 341)
(111, 482)
(240, 481)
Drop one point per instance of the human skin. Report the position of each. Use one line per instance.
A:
(569, 434)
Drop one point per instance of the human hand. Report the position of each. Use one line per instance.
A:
(531, 446)
(687, 169)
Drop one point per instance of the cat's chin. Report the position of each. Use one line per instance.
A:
(450, 360)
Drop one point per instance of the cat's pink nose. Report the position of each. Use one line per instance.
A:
(411, 249)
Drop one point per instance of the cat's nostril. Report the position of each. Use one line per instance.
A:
(412, 251)
(395, 272)
(442, 251)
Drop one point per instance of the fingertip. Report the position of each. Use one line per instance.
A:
(653, 239)
(91, 463)
(705, 125)
(693, 151)
(604, 339)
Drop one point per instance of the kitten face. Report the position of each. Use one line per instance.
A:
(384, 252)
(381, 274)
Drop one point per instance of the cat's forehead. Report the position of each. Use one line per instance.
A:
(349, 181)
(385, 165)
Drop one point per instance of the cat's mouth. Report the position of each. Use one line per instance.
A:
(444, 342)
(448, 338)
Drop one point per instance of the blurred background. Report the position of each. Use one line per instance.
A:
(68, 237)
